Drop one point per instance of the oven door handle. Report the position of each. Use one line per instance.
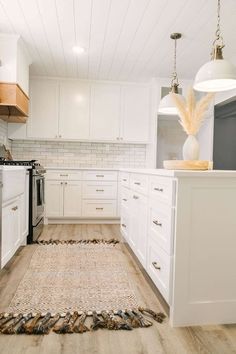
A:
(42, 189)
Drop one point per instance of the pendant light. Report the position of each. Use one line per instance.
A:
(218, 74)
(166, 105)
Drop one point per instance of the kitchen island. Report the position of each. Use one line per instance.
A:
(182, 227)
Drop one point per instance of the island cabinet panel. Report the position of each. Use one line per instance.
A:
(183, 233)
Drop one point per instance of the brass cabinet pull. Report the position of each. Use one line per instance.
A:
(125, 200)
(124, 179)
(99, 175)
(66, 183)
(135, 197)
(156, 266)
(14, 208)
(157, 223)
(123, 225)
(137, 183)
(99, 190)
(99, 208)
(158, 189)
(64, 175)
(61, 182)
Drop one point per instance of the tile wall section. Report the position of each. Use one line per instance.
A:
(170, 140)
(3, 134)
(81, 154)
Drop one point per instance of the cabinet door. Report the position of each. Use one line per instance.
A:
(142, 218)
(135, 113)
(11, 230)
(74, 110)
(43, 118)
(72, 199)
(105, 112)
(134, 221)
(54, 198)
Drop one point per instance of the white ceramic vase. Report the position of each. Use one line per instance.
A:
(191, 148)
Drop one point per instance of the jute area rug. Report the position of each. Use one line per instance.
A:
(69, 285)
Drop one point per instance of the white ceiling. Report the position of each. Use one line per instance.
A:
(123, 39)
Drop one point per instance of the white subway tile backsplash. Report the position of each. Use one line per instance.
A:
(81, 154)
(3, 134)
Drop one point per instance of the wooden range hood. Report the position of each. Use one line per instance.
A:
(14, 103)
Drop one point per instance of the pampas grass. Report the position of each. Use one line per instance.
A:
(192, 113)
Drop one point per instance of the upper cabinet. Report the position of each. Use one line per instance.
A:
(74, 110)
(79, 110)
(135, 113)
(43, 119)
(14, 79)
(105, 112)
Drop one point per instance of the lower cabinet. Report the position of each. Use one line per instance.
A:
(159, 268)
(81, 194)
(11, 229)
(134, 224)
(147, 224)
(63, 198)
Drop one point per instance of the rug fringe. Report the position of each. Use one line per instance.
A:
(75, 242)
(73, 322)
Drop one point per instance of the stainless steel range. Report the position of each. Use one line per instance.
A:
(36, 196)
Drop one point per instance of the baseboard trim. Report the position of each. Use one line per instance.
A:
(82, 221)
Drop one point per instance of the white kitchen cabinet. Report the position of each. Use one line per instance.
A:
(188, 259)
(72, 199)
(137, 214)
(74, 103)
(43, 117)
(54, 198)
(24, 198)
(63, 198)
(87, 111)
(11, 229)
(105, 112)
(80, 194)
(135, 113)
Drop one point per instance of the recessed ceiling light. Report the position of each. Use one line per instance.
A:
(78, 49)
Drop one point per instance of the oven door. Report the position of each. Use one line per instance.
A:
(38, 198)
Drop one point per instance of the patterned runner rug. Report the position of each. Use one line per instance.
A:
(66, 283)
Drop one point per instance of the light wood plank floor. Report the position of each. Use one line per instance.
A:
(160, 338)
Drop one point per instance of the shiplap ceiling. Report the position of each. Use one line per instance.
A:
(123, 39)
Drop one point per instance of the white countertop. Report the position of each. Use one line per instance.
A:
(153, 171)
(181, 173)
(81, 168)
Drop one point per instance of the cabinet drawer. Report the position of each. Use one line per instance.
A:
(64, 175)
(163, 189)
(124, 179)
(159, 265)
(124, 226)
(100, 175)
(161, 225)
(99, 208)
(139, 183)
(125, 197)
(99, 190)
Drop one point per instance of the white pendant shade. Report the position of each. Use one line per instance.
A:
(216, 75)
(167, 105)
